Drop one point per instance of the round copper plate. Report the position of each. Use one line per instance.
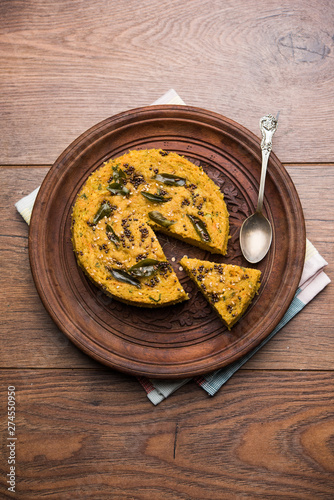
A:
(186, 339)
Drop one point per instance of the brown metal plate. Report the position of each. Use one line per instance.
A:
(186, 339)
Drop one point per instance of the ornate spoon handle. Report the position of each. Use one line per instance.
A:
(268, 126)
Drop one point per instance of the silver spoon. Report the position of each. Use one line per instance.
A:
(256, 230)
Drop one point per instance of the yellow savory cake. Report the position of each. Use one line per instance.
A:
(228, 288)
(121, 205)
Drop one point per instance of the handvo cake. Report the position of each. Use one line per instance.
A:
(121, 206)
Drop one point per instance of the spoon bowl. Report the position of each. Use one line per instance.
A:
(255, 237)
(256, 231)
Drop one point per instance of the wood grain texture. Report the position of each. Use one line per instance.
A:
(67, 65)
(305, 343)
(88, 432)
(77, 437)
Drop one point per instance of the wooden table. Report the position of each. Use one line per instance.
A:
(85, 431)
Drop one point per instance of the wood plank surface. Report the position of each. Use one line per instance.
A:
(48, 347)
(68, 65)
(77, 437)
(84, 431)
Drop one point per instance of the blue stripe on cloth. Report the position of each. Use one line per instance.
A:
(213, 382)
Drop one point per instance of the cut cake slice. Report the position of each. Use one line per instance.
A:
(228, 288)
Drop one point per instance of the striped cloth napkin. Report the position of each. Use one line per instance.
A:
(313, 280)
